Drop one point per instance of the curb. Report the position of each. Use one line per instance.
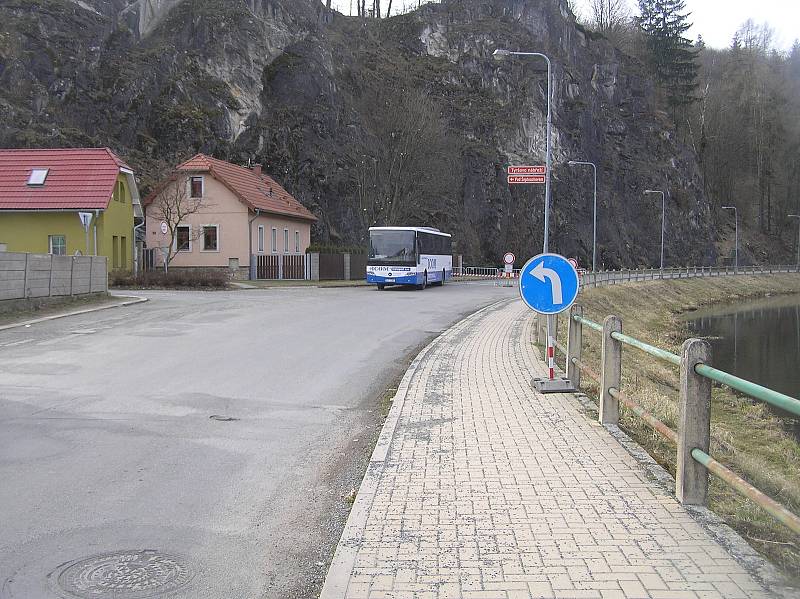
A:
(130, 302)
(338, 576)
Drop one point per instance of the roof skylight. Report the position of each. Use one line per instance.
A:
(38, 176)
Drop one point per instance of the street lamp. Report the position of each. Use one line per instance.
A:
(736, 222)
(502, 55)
(797, 216)
(594, 219)
(663, 214)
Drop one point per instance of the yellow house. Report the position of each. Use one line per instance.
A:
(68, 202)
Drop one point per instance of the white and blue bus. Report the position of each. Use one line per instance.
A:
(409, 256)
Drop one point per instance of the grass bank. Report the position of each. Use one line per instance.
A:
(746, 435)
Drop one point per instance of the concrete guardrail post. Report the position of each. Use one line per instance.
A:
(694, 425)
(611, 361)
(574, 344)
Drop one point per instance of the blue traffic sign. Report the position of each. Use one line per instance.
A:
(548, 284)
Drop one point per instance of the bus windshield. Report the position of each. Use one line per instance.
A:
(392, 246)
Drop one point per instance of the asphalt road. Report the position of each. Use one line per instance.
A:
(108, 445)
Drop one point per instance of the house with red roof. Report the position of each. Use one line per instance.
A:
(68, 202)
(227, 214)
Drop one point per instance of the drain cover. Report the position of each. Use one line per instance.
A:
(134, 574)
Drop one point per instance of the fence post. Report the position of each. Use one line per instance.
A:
(611, 361)
(574, 343)
(694, 425)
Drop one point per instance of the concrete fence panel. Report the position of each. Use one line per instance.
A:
(32, 276)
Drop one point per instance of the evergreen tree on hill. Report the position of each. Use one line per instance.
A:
(673, 56)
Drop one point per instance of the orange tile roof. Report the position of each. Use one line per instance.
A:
(258, 192)
(78, 179)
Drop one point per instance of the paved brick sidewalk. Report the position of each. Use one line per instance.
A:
(480, 488)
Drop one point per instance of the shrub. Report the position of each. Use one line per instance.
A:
(335, 249)
(178, 278)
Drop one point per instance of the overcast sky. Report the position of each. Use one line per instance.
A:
(716, 20)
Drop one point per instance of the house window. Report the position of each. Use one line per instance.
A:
(115, 251)
(297, 242)
(260, 238)
(286, 241)
(196, 187)
(210, 238)
(58, 245)
(38, 176)
(183, 238)
(274, 240)
(123, 252)
(119, 192)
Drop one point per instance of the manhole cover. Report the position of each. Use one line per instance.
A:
(132, 574)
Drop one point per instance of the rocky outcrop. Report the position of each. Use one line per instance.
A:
(343, 110)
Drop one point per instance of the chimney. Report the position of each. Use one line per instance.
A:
(257, 169)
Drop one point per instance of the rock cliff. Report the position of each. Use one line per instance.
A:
(401, 120)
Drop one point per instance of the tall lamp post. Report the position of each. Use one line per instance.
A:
(797, 216)
(736, 223)
(594, 218)
(663, 214)
(501, 54)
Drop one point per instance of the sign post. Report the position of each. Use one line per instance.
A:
(86, 220)
(508, 268)
(549, 285)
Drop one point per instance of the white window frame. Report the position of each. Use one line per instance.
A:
(286, 241)
(175, 241)
(50, 244)
(202, 187)
(262, 238)
(274, 240)
(297, 242)
(203, 235)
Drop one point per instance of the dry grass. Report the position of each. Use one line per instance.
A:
(746, 435)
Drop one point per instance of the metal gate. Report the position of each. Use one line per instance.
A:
(281, 266)
(294, 267)
(267, 267)
(331, 266)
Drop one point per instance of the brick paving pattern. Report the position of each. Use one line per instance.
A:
(491, 491)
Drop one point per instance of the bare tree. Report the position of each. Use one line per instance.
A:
(172, 206)
(609, 16)
(408, 170)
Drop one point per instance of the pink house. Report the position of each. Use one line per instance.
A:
(217, 215)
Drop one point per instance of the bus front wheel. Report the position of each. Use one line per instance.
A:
(424, 281)
(381, 286)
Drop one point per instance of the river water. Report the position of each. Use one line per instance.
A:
(757, 340)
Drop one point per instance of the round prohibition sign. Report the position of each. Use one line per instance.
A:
(509, 258)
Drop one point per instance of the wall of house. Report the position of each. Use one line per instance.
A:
(30, 231)
(219, 207)
(280, 224)
(222, 208)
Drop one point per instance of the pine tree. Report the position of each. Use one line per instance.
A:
(673, 56)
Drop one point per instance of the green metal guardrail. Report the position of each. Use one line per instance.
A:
(773, 398)
(754, 390)
(744, 488)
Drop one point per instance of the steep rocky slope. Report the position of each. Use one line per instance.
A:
(405, 120)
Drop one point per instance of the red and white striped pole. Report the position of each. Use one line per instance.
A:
(551, 362)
